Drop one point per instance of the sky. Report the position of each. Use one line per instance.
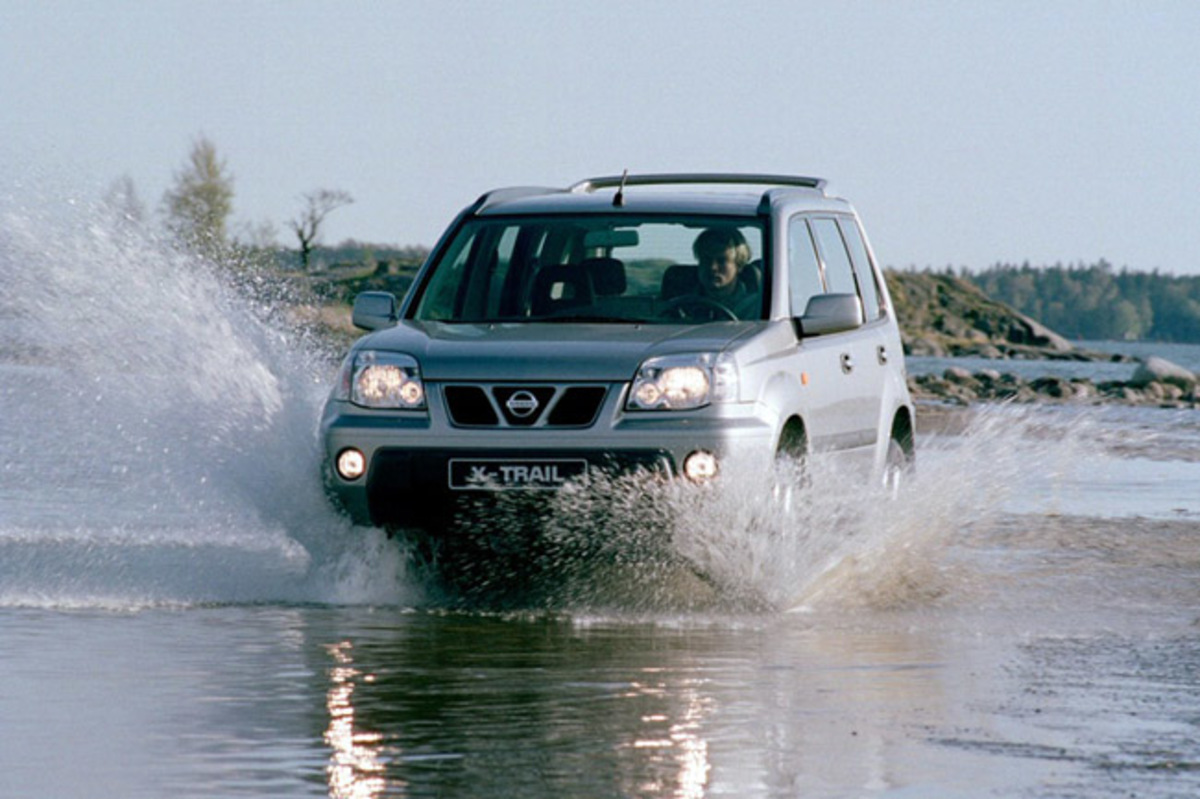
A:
(965, 133)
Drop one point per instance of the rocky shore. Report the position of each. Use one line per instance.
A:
(942, 315)
(1156, 383)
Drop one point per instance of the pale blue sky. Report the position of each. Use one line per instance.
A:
(965, 133)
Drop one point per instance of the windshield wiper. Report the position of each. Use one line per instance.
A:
(582, 318)
(559, 319)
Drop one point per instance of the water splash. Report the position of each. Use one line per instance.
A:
(773, 537)
(158, 430)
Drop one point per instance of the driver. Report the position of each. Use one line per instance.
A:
(722, 253)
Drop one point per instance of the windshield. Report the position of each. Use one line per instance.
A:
(616, 268)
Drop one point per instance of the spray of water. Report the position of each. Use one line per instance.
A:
(158, 428)
(771, 537)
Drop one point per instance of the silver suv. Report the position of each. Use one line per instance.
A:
(668, 323)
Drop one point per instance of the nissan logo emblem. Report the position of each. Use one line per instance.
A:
(522, 404)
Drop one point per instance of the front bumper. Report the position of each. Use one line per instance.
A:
(409, 475)
(411, 487)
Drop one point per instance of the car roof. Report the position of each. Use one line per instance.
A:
(725, 194)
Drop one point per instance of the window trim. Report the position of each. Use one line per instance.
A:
(829, 217)
(881, 304)
(804, 218)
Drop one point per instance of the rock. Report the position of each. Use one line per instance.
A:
(1083, 390)
(924, 347)
(1056, 387)
(1120, 392)
(957, 374)
(944, 314)
(934, 387)
(1027, 331)
(1160, 370)
(988, 375)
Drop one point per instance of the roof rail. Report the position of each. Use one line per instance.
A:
(513, 193)
(686, 178)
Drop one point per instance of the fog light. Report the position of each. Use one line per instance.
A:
(700, 466)
(351, 464)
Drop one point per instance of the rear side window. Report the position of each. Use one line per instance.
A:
(804, 271)
(862, 268)
(839, 273)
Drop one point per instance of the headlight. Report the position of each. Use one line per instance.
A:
(683, 382)
(375, 379)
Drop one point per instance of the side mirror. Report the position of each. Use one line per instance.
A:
(831, 313)
(375, 309)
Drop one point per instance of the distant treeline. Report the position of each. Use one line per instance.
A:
(353, 254)
(1095, 302)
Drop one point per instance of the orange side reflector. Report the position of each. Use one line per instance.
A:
(804, 378)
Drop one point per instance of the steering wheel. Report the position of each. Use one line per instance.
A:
(685, 307)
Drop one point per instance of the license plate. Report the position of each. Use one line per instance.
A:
(501, 474)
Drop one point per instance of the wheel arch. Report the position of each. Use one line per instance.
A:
(903, 430)
(793, 437)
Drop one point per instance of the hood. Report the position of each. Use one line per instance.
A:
(547, 351)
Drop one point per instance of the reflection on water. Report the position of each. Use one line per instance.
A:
(355, 763)
(515, 706)
(477, 705)
(687, 741)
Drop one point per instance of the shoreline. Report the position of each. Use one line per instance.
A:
(959, 386)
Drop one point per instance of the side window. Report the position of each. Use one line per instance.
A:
(862, 268)
(839, 274)
(804, 271)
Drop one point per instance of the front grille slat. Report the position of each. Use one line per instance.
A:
(524, 406)
(577, 407)
(469, 407)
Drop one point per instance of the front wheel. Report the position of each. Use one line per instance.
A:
(897, 468)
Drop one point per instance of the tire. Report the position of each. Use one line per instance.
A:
(897, 468)
(791, 470)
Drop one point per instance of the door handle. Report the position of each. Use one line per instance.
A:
(882, 354)
(847, 363)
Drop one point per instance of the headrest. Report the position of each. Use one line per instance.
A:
(608, 275)
(679, 280)
(560, 286)
(751, 276)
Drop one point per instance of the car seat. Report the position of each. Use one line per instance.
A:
(607, 275)
(561, 286)
(680, 280)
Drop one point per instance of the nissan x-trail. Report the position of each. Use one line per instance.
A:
(671, 324)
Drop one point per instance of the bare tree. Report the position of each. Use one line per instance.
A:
(200, 202)
(307, 224)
